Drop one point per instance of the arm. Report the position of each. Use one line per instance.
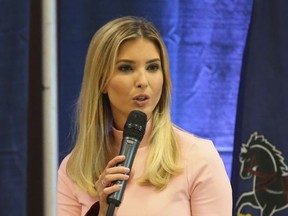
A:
(210, 192)
(71, 203)
(67, 202)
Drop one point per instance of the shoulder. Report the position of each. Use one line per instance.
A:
(65, 184)
(202, 162)
(63, 164)
(62, 171)
(189, 141)
(197, 152)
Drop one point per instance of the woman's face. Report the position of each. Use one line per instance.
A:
(137, 80)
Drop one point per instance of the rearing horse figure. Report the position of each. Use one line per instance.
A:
(262, 161)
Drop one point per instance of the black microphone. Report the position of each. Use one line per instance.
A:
(133, 133)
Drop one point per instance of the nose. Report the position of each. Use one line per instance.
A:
(141, 80)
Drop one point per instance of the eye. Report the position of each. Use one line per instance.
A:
(153, 67)
(125, 68)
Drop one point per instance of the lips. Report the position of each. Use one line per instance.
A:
(141, 100)
(141, 97)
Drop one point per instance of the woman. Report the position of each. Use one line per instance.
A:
(174, 172)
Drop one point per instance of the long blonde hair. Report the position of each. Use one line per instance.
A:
(92, 152)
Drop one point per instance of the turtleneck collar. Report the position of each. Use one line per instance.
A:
(118, 136)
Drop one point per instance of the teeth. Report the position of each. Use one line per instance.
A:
(141, 98)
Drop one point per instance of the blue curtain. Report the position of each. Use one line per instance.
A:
(14, 51)
(205, 40)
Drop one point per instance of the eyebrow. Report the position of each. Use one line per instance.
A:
(131, 61)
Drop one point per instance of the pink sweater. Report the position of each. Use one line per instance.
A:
(203, 189)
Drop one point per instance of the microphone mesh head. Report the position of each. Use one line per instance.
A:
(135, 125)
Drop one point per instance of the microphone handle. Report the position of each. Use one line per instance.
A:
(128, 148)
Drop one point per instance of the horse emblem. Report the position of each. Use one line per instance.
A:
(262, 161)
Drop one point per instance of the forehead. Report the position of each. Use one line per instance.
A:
(138, 46)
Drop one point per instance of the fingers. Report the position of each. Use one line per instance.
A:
(112, 173)
(103, 183)
(115, 176)
(115, 161)
(108, 190)
(111, 189)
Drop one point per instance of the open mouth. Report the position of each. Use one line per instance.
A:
(141, 98)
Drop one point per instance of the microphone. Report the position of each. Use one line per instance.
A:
(133, 133)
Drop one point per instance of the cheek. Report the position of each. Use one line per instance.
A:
(157, 84)
(116, 88)
(159, 88)
(113, 86)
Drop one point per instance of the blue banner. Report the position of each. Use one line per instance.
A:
(260, 171)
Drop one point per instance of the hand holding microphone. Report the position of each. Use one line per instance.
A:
(133, 133)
